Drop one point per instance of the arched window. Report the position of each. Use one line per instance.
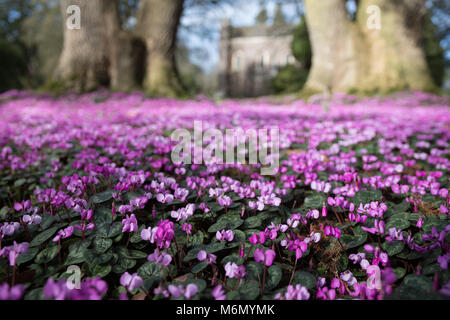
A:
(265, 60)
(237, 61)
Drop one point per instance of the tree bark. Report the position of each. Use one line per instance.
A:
(85, 62)
(158, 22)
(128, 55)
(347, 56)
(396, 57)
(335, 42)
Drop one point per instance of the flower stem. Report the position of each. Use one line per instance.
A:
(293, 271)
(214, 274)
(337, 216)
(26, 229)
(13, 276)
(128, 241)
(264, 280)
(178, 251)
(59, 251)
(248, 253)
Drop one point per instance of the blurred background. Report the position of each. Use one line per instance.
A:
(226, 48)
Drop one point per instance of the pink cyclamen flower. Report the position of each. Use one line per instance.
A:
(12, 252)
(445, 290)
(313, 237)
(241, 249)
(162, 234)
(87, 214)
(294, 293)
(130, 224)
(90, 289)
(218, 293)
(232, 270)
(8, 229)
(313, 214)
(324, 211)
(225, 235)
(224, 201)
(209, 258)
(332, 232)
(298, 245)
(337, 284)
(125, 208)
(57, 290)
(131, 281)
(187, 227)
(162, 258)
(16, 250)
(11, 293)
(63, 234)
(266, 257)
(164, 198)
(139, 202)
(203, 206)
(33, 219)
(254, 239)
(183, 213)
(256, 205)
(348, 277)
(85, 226)
(23, 206)
(419, 223)
(191, 290)
(326, 294)
(177, 291)
(444, 261)
(149, 234)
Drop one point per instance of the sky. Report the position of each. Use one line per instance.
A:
(242, 14)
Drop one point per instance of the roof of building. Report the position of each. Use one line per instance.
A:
(262, 30)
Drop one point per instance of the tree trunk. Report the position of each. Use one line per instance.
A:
(158, 22)
(128, 55)
(335, 42)
(397, 60)
(347, 56)
(85, 61)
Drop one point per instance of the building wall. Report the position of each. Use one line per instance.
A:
(255, 61)
(247, 64)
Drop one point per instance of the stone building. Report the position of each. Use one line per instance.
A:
(251, 56)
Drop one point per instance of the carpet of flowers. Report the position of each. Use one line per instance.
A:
(358, 208)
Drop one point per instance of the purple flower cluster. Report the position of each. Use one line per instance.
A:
(367, 182)
(90, 289)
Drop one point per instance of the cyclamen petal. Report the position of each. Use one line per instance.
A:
(191, 290)
(201, 255)
(269, 257)
(218, 293)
